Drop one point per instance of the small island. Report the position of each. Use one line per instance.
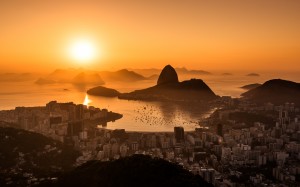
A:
(253, 75)
(103, 91)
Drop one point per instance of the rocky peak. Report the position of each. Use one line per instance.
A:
(167, 75)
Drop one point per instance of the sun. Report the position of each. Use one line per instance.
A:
(82, 50)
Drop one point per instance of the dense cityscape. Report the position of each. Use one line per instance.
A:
(224, 150)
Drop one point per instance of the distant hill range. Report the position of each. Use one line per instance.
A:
(192, 72)
(122, 75)
(134, 171)
(80, 76)
(71, 76)
(169, 88)
(251, 86)
(276, 91)
(86, 78)
(153, 71)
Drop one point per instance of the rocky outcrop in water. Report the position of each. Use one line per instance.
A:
(169, 88)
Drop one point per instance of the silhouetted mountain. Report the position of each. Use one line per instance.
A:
(152, 71)
(193, 72)
(134, 171)
(251, 86)
(167, 75)
(27, 152)
(76, 75)
(63, 75)
(123, 75)
(44, 81)
(168, 88)
(146, 72)
(276, 91)
(102, 91)
(253, 75)
(84, 78)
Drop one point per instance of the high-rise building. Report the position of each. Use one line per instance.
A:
(220, 129)
(284, 117)
(208, 175)
(79, 111)
(74, 128)
(179, 134)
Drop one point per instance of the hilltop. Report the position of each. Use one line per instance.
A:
(276, 91)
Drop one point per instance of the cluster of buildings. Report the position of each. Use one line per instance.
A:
(228, 153)
(57, 120)
(258, 154)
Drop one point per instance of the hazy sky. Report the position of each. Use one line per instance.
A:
(210, 35)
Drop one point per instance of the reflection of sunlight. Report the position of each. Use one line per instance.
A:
(86, 101)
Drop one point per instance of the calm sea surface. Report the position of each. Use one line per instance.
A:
(137, 115)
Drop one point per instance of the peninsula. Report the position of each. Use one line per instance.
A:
(168, 88)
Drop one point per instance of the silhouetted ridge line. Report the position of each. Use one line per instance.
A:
(137, 170)
(276, 91)
(167, 75)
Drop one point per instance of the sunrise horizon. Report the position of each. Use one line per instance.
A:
(209, 36)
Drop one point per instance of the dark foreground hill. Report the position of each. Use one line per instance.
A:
(276, 91)
(25, 155)
(169, 88)
(134, 171)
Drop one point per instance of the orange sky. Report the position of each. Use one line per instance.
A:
(209, 35)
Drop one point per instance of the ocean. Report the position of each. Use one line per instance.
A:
(137, 115)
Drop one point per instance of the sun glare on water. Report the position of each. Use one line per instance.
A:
(83, 51)
(86, 101)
